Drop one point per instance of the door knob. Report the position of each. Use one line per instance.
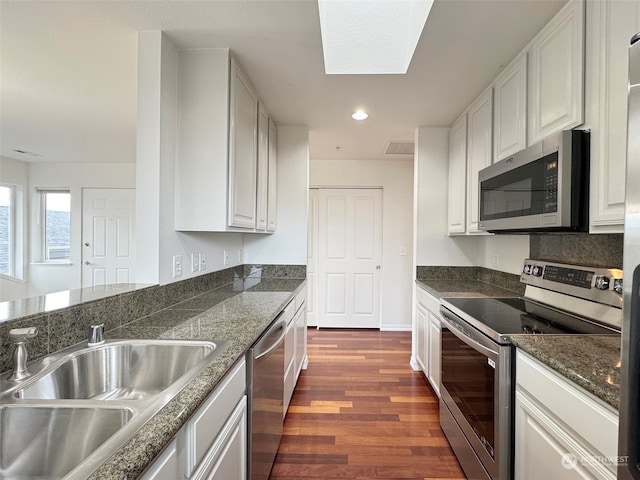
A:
(86, 262)
(86, 244)
(378, 267)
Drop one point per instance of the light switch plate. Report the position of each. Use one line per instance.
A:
(195, 262)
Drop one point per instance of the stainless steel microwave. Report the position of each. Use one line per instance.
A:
(543, 188)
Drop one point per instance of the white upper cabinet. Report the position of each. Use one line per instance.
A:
(510, 109)
(242, 150)
(457, 176)
(217, 145)
(263, 168)
(479, 151)
(272, 182)
(610, 25)
(556, 74)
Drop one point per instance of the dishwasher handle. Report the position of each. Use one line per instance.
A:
(259, 351)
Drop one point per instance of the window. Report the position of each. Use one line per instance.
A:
(56, 222)
(7, 230)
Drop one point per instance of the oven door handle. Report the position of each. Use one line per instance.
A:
(458, 332)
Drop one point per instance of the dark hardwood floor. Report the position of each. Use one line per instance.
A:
(360, 412)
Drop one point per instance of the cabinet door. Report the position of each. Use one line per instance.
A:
(544, 450)
(263, 168)
(510, 110)
(611, 24)
(435, 349)
(422, 321)
(227, 458)
(556, 70)
(272, 180)
(301, 338)
(243, 120)
(456, 203)
(479, 153)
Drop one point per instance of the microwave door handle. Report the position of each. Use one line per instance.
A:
(468, 340)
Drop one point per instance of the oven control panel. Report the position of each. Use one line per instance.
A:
(604, 285)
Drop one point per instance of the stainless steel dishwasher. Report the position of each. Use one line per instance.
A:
(266, 391)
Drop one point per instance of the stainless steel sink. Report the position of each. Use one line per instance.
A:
(48, 442)
(84, 403)
(123, 370)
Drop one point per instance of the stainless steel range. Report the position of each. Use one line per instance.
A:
(477, 394)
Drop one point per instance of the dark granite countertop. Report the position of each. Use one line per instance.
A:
(226, 313)
(591, 361)
(463, 288)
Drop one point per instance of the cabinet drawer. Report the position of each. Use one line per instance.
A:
(429, 301)
(301, 298)
(215, 411)
(580, 411)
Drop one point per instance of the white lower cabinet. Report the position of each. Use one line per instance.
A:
(213, 443)
(561, 430)
(295, 344)
(428, 337)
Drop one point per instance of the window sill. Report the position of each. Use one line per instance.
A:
(11, 279)
(51, 264)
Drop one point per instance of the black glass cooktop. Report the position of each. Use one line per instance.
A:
(512, 316)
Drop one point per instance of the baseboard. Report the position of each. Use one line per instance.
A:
(395, 328)
(414, 364)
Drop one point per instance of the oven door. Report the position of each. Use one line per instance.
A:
(476, 387)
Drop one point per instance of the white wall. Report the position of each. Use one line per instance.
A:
(47, 278)
(158, 241)
(288, 245)
(16, 173)
(396, 179)
(510, 250)
(433, 245)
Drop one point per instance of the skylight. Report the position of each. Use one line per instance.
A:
(371, 36)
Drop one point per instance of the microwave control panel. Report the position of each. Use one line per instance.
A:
(551, 184)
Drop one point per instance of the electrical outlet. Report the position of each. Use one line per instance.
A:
(495, 260)
(240, 256)
(177, 266)
(203, 261)
(225, 259)
(195, 262)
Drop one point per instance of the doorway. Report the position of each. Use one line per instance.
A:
(345, 255)
(108, 236)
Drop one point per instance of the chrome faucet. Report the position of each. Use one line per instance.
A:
(97, 335)
(18, 337)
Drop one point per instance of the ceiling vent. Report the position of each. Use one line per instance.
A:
(31, 154)
(399, 148)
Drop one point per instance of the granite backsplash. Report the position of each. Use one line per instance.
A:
(505, 280)
(64, 327)
(578, 248)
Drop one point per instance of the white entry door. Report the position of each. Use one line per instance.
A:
(350, 255)
(108, 236)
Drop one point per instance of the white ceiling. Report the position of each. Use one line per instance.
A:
(68, 70)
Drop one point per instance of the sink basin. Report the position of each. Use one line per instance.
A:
(120, 370)
(48, 442)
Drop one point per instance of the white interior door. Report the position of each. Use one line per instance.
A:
(108, 236)
(350, 255)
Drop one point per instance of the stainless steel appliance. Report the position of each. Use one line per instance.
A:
(477, 393)
(266, 391)
(629, 439)
(544, 187)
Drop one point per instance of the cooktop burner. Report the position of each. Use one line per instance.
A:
(512, 316)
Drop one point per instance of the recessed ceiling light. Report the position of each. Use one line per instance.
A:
(360, 115)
